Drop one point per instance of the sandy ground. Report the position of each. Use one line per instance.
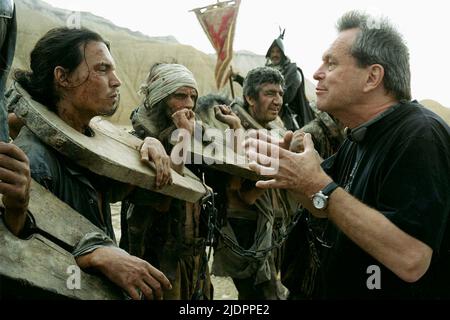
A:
(224, 288)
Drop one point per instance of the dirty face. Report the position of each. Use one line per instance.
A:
(94, 86)
(182, 98)
(266, 108)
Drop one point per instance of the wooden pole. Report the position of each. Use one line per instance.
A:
(231, 82)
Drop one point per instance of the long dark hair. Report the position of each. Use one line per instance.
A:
(62, 47)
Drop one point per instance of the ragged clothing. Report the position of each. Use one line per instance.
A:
(258, 230)
(168, 233)
(327, 133)
(8, 33)
(84, 191)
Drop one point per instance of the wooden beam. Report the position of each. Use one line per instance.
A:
(102, 153)
(56, 218)
(40, 262)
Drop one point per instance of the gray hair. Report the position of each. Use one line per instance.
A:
(257, 77)
(378, 42)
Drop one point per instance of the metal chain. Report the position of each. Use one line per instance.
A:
(259, 254)
(207, 205)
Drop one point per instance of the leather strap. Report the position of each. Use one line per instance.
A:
(330, 188)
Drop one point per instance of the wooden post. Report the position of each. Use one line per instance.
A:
(231, 82)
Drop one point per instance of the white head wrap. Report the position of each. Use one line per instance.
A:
(163, 80)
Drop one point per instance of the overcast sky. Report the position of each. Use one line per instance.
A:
(309, 29)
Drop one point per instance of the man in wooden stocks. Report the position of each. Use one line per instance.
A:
(255, 219)
(167, 232)
(73, 74)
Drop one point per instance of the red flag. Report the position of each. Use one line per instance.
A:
(219, 22)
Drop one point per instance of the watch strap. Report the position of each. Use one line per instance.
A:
(330, 188)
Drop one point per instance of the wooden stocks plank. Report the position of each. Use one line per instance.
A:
(215, 147)
(219, 155)
(39, 262)
(216, 153)
(57, 218)
(100, 153)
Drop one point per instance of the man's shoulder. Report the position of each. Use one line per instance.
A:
(413, 126)
(292, 72)
(422, 120)
(291, 66)
(27, 140)
(41, 156)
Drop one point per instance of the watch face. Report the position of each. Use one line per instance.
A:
(319, 202)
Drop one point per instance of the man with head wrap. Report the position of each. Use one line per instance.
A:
(167, 233)
(172, 81)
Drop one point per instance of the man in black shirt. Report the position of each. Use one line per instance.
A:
(385, 192)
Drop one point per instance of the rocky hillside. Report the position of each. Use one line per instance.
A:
(438, 108)
(134, 52)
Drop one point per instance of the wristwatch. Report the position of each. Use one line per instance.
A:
(320, 199)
